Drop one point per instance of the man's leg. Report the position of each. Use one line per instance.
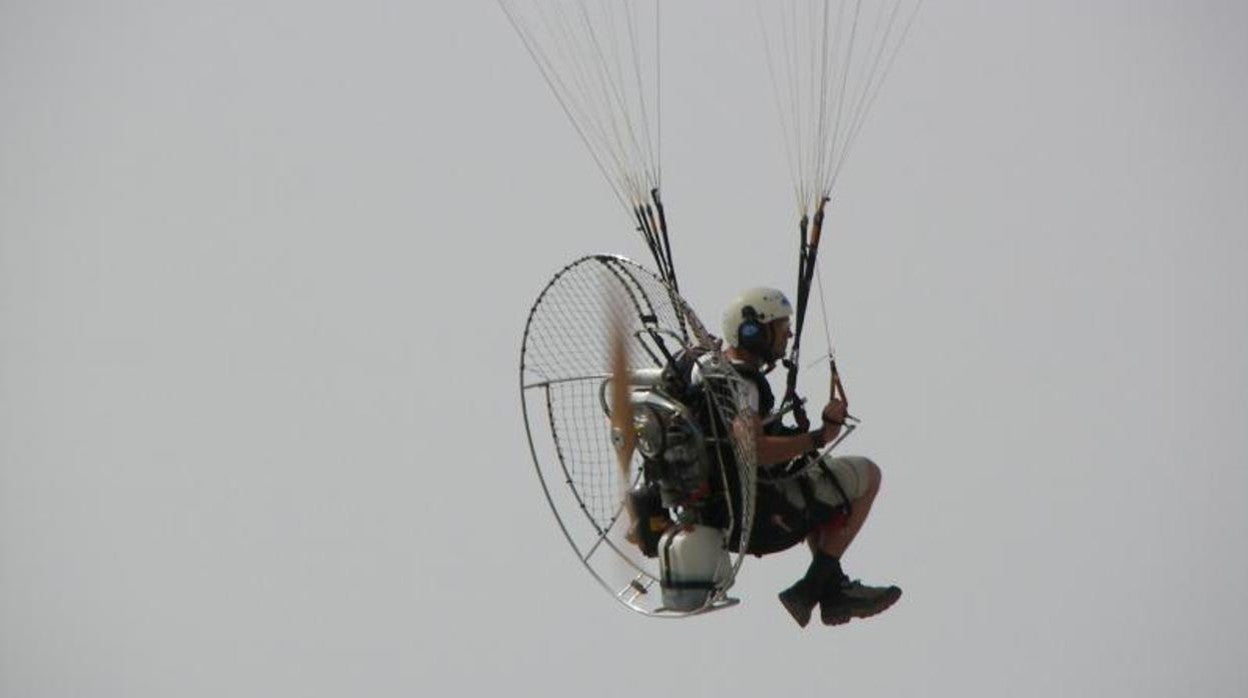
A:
(825, 582)
(833, 538)
(843, 599)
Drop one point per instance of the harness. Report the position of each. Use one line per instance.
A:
(708, 488)
(779, 522)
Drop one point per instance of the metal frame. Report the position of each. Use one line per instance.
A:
(637, 593)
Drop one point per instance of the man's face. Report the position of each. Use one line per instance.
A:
(780, 334)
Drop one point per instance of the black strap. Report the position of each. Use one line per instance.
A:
(705, 586)
(849, 508)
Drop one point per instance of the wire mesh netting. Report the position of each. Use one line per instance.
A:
(564, 380)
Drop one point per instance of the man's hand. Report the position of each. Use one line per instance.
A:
(834, 414)
(835, 411)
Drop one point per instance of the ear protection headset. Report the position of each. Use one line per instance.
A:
(753, 335)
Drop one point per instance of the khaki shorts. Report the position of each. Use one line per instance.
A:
(789, 508)
(852, 474)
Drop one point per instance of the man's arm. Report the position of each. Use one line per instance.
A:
(773, 449)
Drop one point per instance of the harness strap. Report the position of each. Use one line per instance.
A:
(849, 508)
(704, 586)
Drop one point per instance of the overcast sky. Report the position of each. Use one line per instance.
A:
(264, 268)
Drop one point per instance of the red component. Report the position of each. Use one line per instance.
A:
(838, 521)
(703, 490)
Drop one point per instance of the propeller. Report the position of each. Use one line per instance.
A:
(623, 429)
(623, 433)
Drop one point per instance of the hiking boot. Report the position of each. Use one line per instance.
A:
(853, 599)
(799, 600)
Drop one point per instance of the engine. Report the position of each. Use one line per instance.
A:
(675, 469)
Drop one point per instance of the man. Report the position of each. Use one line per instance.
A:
(825, 502)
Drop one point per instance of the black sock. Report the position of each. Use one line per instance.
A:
(824, 569)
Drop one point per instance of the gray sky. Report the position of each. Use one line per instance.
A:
(264, 268)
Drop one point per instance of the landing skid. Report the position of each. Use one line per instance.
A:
(638, 592)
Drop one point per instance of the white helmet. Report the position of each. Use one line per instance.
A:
(746, 318)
